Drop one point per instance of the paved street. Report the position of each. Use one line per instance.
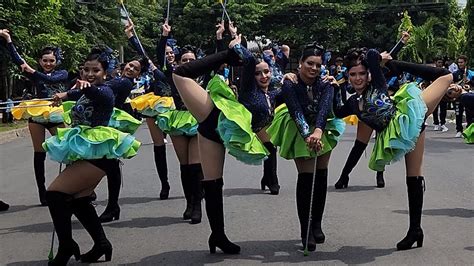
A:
(362, 224)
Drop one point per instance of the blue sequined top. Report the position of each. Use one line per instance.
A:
(309, 105)
(277, 67)
(168, 70)
(159, 86)
(374, 106)
(94, 105)
(121, 87)
(46, 84)
(261, 104)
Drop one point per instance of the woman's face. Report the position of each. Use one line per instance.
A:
(48, 62)
(263, 75)
(311, 67)
(359, 78)
(169, 54)
(132, 69)
(186, 58)
(93, 72)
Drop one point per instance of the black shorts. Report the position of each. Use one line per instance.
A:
(106, 165)
(208, 127)
(48, 125)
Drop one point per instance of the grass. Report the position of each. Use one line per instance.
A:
(11, 126)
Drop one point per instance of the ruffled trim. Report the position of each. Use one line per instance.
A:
(234, 125)
(177, 123)
(402, 132)
(284, 134)
(152, 105)
(468, 134)
(40, 114)
(119, 119)
(87, 143)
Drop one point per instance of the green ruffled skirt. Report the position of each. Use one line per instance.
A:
(234, 125)
(402, 132)
(177, 123)
(468, 134)
(284, 134)
(120, 119)
(87, 143)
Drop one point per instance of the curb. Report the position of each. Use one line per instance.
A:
(14, 134)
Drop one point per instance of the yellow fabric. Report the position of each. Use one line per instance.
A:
(351, 120)
(150, 100)
(27, 112)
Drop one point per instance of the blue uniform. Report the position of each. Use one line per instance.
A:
(46, 84)
(261, 104)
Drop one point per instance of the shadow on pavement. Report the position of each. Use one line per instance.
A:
(278, 251)
(455, 212)
(19, 208)
(28, 263)
(351, 189)
(146, 222)
(242, 192)
(135, 200)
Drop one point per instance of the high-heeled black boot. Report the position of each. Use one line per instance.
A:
(215, 214)
(86, 214)
(114, 180)
(208, 63)
(354, 156)
(380, 180)
(60, 208)
(3, 206)
(38, 165)
(319, 201)
(186, 182)
(415, 188)
(195, 175)
(162, 169)
(303, 197)
(270, 169)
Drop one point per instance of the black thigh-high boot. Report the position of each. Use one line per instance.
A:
(38, 164)
(354, 156)
(270, 177)
(186, 182)
(208, 63)
(195, 175)
(415, 188)
(423, 71)
(60, 208)
(319, 201)
(162, 169)
(380, 180)
(86, 214)
(215, 214)
(114, 180)
(303, 197)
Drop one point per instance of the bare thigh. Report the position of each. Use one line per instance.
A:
(364, 132)
(155, 132)
(180, 144)
(37, 133)
(193, 150)
(414, 159)
(78, 179)
(307, 165)
(263, 135)
(196, 99)
(212, 158)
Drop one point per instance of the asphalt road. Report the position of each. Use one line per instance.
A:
(362, 224)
